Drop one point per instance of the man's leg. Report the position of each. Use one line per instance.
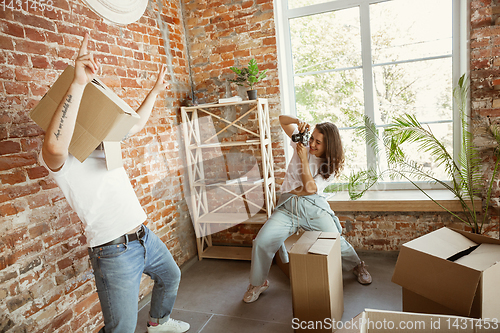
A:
(117, 271)
(162, 268)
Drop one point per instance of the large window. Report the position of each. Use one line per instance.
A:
(345, 59)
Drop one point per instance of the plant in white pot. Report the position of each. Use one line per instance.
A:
(468, 182)
(249, 76)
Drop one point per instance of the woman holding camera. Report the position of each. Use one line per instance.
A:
(315, 162)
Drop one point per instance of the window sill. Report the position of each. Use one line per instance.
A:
(398, 201)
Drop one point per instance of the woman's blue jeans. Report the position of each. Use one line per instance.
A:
(297, 212)
(118, 270)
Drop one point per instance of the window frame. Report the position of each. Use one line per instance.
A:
(460, 63)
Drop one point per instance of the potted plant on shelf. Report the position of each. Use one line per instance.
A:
(249, 76)
(466, 176)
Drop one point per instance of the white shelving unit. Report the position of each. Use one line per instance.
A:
(202, 213)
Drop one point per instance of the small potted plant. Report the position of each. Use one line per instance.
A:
(249, 76)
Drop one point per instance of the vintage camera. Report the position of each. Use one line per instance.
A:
(301, 137)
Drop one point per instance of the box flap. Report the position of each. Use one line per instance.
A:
(113, 97)
(437, 279)
(479, 239)
(442, 243)
(482, 258)
(290, 241)
(113, 153)
(83, 143)
(322, 246)
(413, 302)
(305, 242)
(329, 235)
(491, 293)
(122, 124)
(382, 321)
(42, 113)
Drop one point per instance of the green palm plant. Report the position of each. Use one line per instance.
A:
(467, 181)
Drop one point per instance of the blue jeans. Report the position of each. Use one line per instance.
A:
(291, 215)
(118, 270)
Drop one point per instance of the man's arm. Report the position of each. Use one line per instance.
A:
(62, 125)
(147, 105)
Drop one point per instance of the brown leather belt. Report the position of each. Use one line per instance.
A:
(125, 238)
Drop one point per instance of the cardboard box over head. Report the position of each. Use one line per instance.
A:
(102, 117)
(316, 278)
(380, 321)
(451, 272)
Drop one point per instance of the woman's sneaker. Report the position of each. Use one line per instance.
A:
(253, 292)
(362, 273)
(170, 326)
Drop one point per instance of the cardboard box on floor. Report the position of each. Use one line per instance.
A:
(433, 283)
(102, 117)
(379, 321)
(316, 277)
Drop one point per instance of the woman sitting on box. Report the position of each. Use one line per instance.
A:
(302, 205)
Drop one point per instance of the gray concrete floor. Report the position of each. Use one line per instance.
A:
(210, 296)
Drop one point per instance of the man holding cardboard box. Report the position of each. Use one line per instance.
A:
(121, 248)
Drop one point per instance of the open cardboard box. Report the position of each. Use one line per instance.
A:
(289, 242)
(435, 280)
(379, 321)
(316, 277)
(102, 117)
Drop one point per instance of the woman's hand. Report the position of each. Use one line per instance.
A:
(289, 124)
(302, 152)
(302, 126)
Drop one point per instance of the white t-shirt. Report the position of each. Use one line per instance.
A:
(293, 176)
(104, 200)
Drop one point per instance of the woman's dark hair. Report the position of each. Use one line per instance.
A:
(334, 153)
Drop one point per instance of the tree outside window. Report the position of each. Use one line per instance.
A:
(375, 58)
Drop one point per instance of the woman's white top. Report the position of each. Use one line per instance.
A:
(104, 199)
(293, 176)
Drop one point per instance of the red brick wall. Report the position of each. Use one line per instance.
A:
(388, 231)
(46, 283)
(485, 99)
(227, 33)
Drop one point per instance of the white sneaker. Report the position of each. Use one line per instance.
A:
(170, 326)
(362, 273)
(253, 292)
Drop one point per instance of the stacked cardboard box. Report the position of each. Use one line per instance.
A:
(316, 278)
